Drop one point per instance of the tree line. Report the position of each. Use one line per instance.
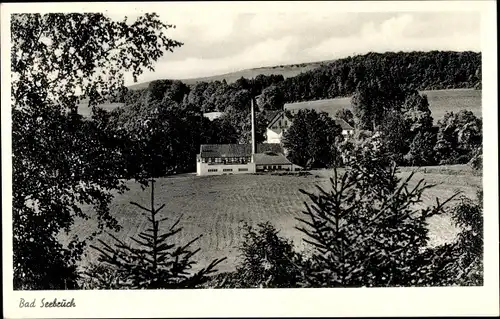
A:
(340, 78)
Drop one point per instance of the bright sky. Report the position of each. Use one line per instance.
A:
(218, 41)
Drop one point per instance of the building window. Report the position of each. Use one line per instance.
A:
(242, 169)
(279, 166)
(227, 170)
(212, 170)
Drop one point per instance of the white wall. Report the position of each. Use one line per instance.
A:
(202, 168)
(347, 132)
(272, 137)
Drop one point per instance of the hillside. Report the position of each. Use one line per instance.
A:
(287, 71)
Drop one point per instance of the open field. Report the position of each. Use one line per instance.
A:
(217, 206)
(84, 109)
(440, 101)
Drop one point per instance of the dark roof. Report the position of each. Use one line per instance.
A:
(270, 115)
(237, 150)
(343, 124)
(271, 159)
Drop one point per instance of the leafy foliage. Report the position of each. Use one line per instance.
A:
(476, 161)
(421, 149)
(61, 161)
(272, 98)
(311, 141)
(100, 276)
(267, 261)
(374, 99)
(156, 262)
(418, 70)
(459, 137)
(367, 230)
(402, 118)
(468, 216)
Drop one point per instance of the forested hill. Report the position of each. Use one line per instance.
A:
(421, 70)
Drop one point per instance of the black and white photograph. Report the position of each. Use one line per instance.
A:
(221, 149)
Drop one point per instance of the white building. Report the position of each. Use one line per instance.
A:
(220, 159)
(213, 115)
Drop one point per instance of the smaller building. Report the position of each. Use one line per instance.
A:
(347, 130)
(213, 115)
(280, 123)
(271, 161)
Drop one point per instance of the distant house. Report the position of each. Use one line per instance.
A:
(219, 159)
(213, 115)
(276, 127)
(280, 123)
(347, 130)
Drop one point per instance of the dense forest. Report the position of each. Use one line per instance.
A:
(417, 70)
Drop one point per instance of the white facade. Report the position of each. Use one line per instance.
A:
(203, 169)
(277, 127)
(347, 132)
(273, 137)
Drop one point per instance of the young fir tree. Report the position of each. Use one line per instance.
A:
(156, 262)
(368, 230)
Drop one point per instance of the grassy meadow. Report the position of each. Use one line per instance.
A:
(217, 206)
(440, 102)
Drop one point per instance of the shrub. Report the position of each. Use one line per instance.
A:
(102, 276)
(267, 261)
(468, 216)
(476, 161)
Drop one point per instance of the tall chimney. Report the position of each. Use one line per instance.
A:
(252, 111)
